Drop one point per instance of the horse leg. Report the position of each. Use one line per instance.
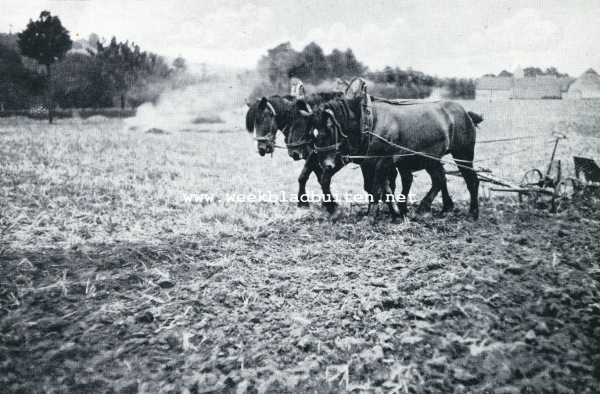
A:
(367, 173)
(393, 174)
(407, 180)
(448, 204)
(386, 179)
(302, 179)
(328, 200)
(465, 166)
(438, 177)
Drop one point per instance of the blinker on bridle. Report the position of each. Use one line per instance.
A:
(270, 137)
(338, 130)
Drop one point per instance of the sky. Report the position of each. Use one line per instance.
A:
(462, 38)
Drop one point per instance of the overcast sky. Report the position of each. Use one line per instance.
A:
(445, 37)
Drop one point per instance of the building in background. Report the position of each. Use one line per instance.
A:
(494, 88)
(586, 86)
(535, 88)
(517, 86)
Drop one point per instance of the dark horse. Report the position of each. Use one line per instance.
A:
(398, 132)
(267, 115)
(286, 113)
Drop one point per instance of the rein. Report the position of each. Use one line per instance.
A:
(328, 148)
(336, 146)
(269, 140)
(417, 153)
(297, 144)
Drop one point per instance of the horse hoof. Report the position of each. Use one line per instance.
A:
(303, 204)
(421, 211)
(448, 208)
(331, 207)
(474, 214)
(398, 219)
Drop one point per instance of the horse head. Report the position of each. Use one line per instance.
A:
(299, 138)
(336, 123)
(264, 125)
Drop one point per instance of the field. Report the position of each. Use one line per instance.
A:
(117, 276)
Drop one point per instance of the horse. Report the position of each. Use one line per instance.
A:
(268, 115)
(285, 113)
(408, 137)
(300, 139)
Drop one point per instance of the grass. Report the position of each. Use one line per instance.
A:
(115, 276)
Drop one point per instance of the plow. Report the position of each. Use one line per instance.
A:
(548, 188)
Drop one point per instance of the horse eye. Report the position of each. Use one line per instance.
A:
(316, 132)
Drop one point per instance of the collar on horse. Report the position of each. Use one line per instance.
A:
(366, 124)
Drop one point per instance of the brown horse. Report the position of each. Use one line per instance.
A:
(407, 137)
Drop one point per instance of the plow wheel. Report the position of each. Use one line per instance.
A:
(564, 192)
(532, 178)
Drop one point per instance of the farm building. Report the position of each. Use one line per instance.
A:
(540, 87)
(520, 87)
(494, 88)
(586, 86)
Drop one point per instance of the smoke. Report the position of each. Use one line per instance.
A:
(211, 104)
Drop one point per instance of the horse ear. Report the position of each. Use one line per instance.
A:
(262, 103)
(330, 118)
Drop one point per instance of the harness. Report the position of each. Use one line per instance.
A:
(338, 130)
(271, 136)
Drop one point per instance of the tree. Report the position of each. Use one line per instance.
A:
(278, 65)
(532, 71)
(45, 40)
(313, 65)
(79, 82)
(337, 64)
(17, 83)
(179, 64)
(127, 67)
(354, 68)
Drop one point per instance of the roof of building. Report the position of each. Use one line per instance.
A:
(565, 82)
(588, 81)
(495, 83)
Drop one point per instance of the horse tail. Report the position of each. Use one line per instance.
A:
(475, 118)
(250, 118)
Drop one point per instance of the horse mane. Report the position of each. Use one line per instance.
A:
(345, 110)
(285, 105)
(322, 97)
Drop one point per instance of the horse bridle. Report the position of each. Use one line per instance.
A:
(272, 135)
(338, 130)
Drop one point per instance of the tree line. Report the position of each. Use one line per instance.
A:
(313, 66)
(42, 66)
(532, 72)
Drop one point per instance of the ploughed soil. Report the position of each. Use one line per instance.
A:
(507, 304)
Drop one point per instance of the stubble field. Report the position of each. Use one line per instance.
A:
(118, 275)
